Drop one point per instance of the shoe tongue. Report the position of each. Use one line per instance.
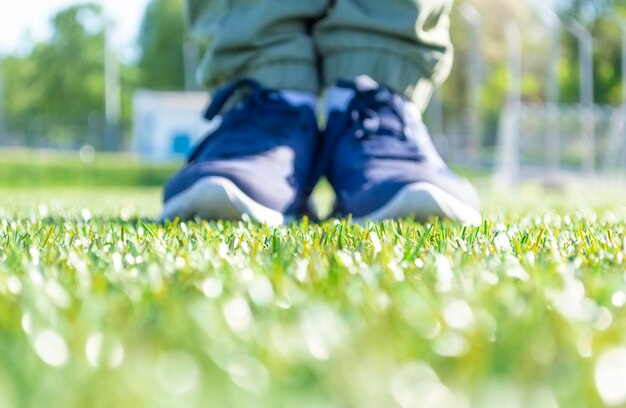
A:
(364, 83)
(338, 99)
(340, 95)
(299, 98)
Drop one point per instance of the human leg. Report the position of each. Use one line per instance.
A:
(404, 44)
(257, 163)
(265, 40)
(382, 60)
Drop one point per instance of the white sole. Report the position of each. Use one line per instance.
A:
(423, 201)
(217, 198)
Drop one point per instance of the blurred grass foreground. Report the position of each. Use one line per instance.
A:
(101, 307)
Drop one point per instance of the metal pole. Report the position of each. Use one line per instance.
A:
(612, 154)
(514, 40)
(112, 94)
(623, 109)
(508, 158)
(435, 112)
(553, 129)
(3, 135)
(586, 93)
(623, 28)
(474, 78)
(191, 61)
(553, 126)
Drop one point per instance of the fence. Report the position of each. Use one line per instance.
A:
(535, 140)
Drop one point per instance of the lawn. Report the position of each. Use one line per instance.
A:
(100, 306)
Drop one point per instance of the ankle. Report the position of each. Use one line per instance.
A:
(338, 99)
(340, 95)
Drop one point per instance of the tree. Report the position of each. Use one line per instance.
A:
(161, 44)
(74, 65)
(56, 92)
(587, 10)
(59, 87)
(599, 17)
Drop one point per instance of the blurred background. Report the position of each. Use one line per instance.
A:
(538, 90)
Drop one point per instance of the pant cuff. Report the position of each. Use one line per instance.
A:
(402, 74)
(293, 75)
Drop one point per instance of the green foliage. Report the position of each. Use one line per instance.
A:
(59, 86)
(100, 309)
(57, 89)
(607, 60)
(607, 64)
(161, 44)
(19, 101)
(588, 10)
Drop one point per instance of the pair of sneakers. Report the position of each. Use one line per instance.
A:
(267, 154)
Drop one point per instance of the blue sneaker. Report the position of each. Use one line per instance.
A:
(256, 164)
(382, 163)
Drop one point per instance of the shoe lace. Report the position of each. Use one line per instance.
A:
(258, 108)
(378, 120)
(375, 114)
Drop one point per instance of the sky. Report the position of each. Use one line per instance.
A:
(20, 19)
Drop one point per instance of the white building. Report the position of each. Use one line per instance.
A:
(167, 124)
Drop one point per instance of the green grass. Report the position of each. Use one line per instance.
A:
(51, 169)
(99, 306)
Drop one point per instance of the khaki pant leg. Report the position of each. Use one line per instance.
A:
(404, 44)
(266, 40)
